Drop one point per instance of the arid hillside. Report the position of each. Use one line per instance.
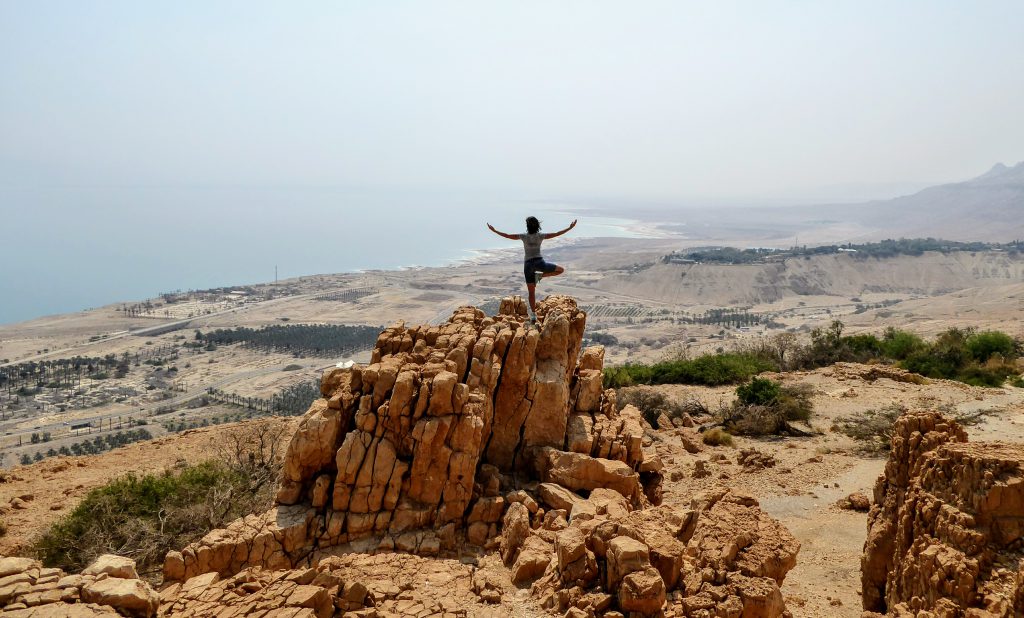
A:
(844, 275)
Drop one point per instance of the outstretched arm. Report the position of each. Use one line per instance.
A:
(560, 232)
(508, 236)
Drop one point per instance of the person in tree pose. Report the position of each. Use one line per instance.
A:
(533, 263)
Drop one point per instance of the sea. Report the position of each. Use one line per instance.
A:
(73, 248)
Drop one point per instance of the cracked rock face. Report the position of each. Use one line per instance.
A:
(412, 451)
(946, 535)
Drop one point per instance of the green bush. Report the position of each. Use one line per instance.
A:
(144, 517)
(764, 407)
(759, 392)
(864, 346)
(707, 370)
(899, 344)
(983, 346)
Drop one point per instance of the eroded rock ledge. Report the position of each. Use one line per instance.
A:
(946, 534)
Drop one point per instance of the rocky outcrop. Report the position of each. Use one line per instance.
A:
(484, 424)
(413, 451)
(947, 529)
(723, 552)
(107, 587)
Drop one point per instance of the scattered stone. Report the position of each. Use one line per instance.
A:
(855, 502)
(754, 460)
(701, 469)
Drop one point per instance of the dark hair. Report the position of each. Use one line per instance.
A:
(532, 225)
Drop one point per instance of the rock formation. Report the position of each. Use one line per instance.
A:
(453, 432)
(946, 533)
(412, 451)
(108, 587)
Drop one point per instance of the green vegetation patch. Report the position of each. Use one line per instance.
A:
(309, 339)
(707, 370)
(142, 517)
(766, 407)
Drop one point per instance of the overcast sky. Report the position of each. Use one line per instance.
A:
(526, 99)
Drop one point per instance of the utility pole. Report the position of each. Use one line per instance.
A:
(275, 274)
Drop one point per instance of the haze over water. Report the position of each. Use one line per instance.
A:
(123, 244)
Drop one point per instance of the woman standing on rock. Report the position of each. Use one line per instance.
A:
(533, 263)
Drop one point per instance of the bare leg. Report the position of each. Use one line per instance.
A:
(557, 272)
(532, 287)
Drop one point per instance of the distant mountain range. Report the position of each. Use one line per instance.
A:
(989, 207)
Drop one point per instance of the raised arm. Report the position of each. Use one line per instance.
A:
(508, 236)
(560, 232)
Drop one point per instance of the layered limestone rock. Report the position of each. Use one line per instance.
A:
(412, 451)
(107, 587)
(946, 533)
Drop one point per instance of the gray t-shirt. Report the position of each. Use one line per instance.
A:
(531, 244)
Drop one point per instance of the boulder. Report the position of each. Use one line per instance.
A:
(130, 597)
(577, 471)
(114, 566)
(532, 561)
(642, 591)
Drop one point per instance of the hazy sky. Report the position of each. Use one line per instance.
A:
(530, 100)
(147, 146)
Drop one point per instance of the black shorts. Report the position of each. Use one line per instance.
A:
(534, 265)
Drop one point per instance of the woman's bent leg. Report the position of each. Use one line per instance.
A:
(558, 270)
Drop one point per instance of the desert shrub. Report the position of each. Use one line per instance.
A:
(863, 346)
(707, 370)
(872, 429)
(985, 345)
(764, 407)
(992, 374)
(1017, 382)
(795, 403)
(716, 436)
(980, 359)
(144, 517)
(759, 392)
(651, 403)
(899, 344)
